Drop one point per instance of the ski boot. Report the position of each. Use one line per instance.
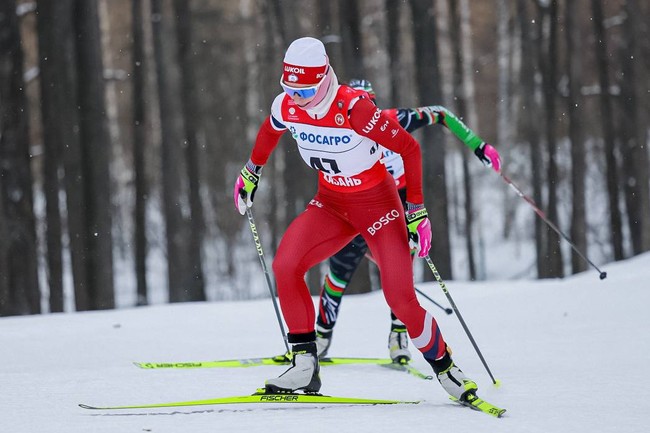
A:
(323, 341)
(303, 373)
(452, 378)
(398, 343)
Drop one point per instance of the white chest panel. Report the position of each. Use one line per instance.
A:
(334, 150)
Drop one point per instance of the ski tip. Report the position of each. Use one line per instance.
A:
(85, 406)
(476, 403)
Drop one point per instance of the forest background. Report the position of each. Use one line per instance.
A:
(124, 123)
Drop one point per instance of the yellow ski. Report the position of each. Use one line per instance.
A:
(259, 397)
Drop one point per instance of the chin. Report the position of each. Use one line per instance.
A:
(304, 104)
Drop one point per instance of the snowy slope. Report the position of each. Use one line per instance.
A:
(573, 355)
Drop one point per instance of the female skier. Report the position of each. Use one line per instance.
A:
(339, 131)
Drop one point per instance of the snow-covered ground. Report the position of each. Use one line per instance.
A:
(573, 355)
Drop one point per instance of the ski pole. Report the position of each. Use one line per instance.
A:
(460, 318)
(541, 214)
(260, 253)
(446, 310)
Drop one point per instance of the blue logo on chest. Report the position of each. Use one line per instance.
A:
(330, 140)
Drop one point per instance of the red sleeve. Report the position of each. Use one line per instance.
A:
(267, 139)
(368, 120)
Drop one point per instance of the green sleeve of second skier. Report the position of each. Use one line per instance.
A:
(440, 115)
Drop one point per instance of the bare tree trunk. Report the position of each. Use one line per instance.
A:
(536, 156)
(6, 303)
(172, 166)
(195, 283)
(75, 175)
(576, 136)
(548, 60)
(461, 106)
(504, 130)
(140, 140)
(19, 291)
(95, 157)
(393, 35)
(351, 34)
(529, 124)
(433, 151)
(608, 131)
(54, 46)
(331, 31)
(508, 113)
(634, 152)
(373, 54)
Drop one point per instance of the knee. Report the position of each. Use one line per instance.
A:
(287, 265)
(403, 306)
(280, 265)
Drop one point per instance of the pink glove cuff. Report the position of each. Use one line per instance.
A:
(492, 154)
(424, 234)
(239, 185)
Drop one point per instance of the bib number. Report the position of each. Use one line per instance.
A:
(320, 163)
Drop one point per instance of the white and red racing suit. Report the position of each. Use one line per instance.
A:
(356, 195)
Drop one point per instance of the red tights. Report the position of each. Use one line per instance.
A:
(330, 221)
